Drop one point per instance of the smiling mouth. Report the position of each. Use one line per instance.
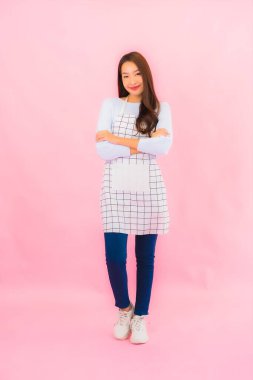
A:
(134, 88)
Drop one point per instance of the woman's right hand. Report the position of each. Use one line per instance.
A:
(160, 132)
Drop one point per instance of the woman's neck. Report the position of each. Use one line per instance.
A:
(133, 99)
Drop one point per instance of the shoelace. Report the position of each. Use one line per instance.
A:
(123, 317)
(137, 322)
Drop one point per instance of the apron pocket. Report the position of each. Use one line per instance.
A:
(130, 176)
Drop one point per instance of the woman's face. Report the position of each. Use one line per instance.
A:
(131, 78)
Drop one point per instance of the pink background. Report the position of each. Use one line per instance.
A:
(58, 61)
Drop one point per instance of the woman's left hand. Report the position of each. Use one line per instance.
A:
(160, 132)
(106, 136)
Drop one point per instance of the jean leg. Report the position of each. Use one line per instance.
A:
(145, 255)
(116, 258)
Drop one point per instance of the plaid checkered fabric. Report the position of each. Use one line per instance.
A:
(133, 196)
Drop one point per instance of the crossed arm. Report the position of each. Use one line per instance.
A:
(131, 143)
(110, 146)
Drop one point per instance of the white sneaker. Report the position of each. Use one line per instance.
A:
(121, 328)
(139, 330)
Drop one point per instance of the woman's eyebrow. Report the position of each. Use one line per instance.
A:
(133, 71)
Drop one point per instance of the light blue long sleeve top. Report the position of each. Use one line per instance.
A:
(156, 145)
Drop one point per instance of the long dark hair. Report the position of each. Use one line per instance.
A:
(150, 106)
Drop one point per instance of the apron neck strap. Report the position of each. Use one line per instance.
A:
(123, 106)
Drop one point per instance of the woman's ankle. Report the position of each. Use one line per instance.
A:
(127, 308)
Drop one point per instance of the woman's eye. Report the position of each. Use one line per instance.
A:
(136, 74)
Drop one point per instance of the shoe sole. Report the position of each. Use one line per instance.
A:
(138, 342)
(124, 337)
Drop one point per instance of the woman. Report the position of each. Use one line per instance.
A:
(131, 131)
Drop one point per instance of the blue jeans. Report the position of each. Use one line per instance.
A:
(116, 257)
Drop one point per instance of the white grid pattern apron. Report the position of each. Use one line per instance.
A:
(133, 194)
